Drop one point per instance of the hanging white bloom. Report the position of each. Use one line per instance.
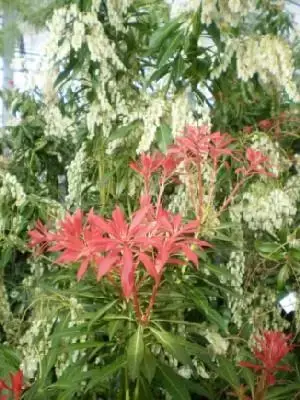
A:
(267, 209)
(180, 6)
(12, 189)
(75, 173)
(152, 120)
(78, 35)
(271, 58)
(57, 124)
(218, 344)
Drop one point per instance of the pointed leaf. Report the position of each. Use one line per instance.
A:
(284, 392)
(283, 276)
(101, 312)
(228, 372)
(135, 353)
(162, 33)
(174, 386)
(149, 265)
(172, 345)
(201, 303)
(101, 374)
(174, 46)
(82, 269)
(123, 131)
(145, 390)
(104, 265)
(149, 365)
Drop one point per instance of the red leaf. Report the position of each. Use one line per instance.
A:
(83, 268)
(138, 218)
(104, 266)
(149, 265)
(189, 254)
(118, 218)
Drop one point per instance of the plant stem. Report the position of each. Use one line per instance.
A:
(161, 191)
(231, 196)
(146, 316)
(261, 388)
(212, 183)
(136, 304)
(191, 187)
(200, 191)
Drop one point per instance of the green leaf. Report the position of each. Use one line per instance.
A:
(249, 377)
(101, 312)
(64, 74)
(200, 389)
(227, 371)
(144, 390)
(172, 345)
(266, 247)
(149, 365)
(101, 374)
(201, 303)
(85, 345)
(135, 353)
(172, 47)
(123, 131)
(164, 137)
(283, 393)
(113, 327)
(6, 255)
(172, 383)
(163, 33)
(219, 270)
(294, 254)
(283, 276)
(196, 349)
(159, 73)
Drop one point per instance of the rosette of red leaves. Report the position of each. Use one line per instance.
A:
(149, 239)
(269, 351)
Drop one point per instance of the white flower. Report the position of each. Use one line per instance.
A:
(218, 343)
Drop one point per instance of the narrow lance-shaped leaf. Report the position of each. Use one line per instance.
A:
(173, 346)
(171, 382)
(135, 353)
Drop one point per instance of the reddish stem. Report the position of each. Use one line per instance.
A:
(200, 190)
(231, 196)
(212, 181)
(136, 304)
(192, 192)
(161, 191)
(145, 317)
(261, 388)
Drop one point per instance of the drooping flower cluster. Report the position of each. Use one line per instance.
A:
(75, 176)
(269, 56)
(15, 388)
(269, 208)
(218, 11)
